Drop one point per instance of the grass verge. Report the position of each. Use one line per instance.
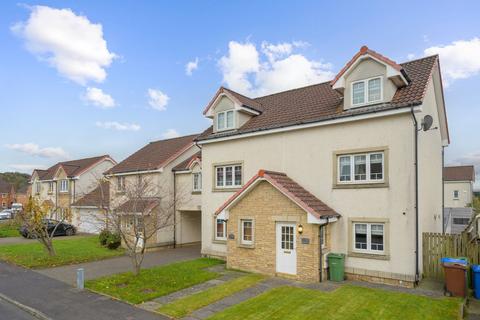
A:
(155, 282)
(69, 251)
(9, 229)
(182, 307)
(345, 303)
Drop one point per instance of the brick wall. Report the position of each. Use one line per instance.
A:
(266, 206)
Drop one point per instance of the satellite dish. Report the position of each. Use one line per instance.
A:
(427, 122)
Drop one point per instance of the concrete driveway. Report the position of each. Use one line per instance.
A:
(107, 267)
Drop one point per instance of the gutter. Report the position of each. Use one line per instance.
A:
(415, 130)
(174, 211)
(320, 263)
(443, 191)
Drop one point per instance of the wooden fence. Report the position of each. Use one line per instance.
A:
(437, 246)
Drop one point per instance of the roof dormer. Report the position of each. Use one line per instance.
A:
(230, 110)
(369, 78)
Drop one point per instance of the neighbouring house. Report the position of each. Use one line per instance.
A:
(90, 212)
(22, 195)
(59, 186)
(7, 194)
(331, 167)
(153, 166)
(458, 184)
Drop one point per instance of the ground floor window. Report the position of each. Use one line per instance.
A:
(369, 237)
(220, 229)
(247, 231)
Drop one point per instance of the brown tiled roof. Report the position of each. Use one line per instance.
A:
(291, 189)
(185, 165)
(98, 197)
(154, 155)
(143, 206)
(72, 168)
(5, 187)
(459, 173)
(320, 102)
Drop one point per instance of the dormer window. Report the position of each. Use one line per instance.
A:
(225, 120)
(366, 91)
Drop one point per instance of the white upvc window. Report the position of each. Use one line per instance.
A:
(38, 187)
(361, 168)
(225, 120)
(220, 229)
(229, 176)
(369, 237)
(197, 181)
(367, 91)
(121, 184)
(456, 194)
(64, 185)
(246, 226)
(50, 186)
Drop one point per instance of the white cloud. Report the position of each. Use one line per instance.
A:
(170, 133)
(35, 150)
(118, 126)
(99, 98)
(68, 42)
(411, 56)
(157, 99)
(191, 66)
(28, 168)
(277, 68)
(459, 60)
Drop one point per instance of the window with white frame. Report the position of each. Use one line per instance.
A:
(246, 226)
(50, 186)
(64, 185)
(120, 184)
(361, 168)
(369, 237)
(229, 176)
(38, 187)
(197, 181)
(220, 229)
(367, 91)
(456, 194)
(225, 120)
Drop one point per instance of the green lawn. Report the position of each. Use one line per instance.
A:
(182, 307)
(345, 303)
(155, 282)
(69, 251)
(9, 229)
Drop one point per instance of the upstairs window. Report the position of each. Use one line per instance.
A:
(197, 181)
(456, 194)
(225, 120)
(228, 176)
(120, 184)
(38, 187)
(361, 168)
(366, 91)
(50, 187)
(64, 185)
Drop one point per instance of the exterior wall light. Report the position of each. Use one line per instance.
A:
(300, 229)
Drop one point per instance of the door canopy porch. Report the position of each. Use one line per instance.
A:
(318, 212)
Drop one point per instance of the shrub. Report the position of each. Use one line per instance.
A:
(114, 241)
(103, 237)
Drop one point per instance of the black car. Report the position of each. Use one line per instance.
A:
(63, 229)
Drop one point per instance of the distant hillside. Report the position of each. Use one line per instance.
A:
(19, 180)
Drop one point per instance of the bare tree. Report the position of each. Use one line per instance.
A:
(145, 210)
(38, 220)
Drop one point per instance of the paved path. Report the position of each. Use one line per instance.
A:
(107, 267)
(60, 301)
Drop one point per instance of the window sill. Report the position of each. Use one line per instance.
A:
(197, 192)
(226, 189)
(360, 185)
(246, 246)
(369, 256)
(218, 241)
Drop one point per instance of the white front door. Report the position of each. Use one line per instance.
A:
(286, 248)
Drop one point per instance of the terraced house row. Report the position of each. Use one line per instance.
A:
(352, 165)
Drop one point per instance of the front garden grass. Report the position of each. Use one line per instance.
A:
(69, 251)
(155, 282)
(9, 229)
(345, 303)
(184, 306)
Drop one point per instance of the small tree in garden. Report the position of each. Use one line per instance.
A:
(144, 210)
(36, 218)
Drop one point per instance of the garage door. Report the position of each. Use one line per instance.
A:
(89, 221)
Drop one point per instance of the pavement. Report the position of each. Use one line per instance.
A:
(59, 301)
(121, 264)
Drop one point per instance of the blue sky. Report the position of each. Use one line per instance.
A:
(71, 88)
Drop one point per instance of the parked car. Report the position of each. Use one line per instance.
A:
(63, 229)
(17, 207)
(6, 214)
